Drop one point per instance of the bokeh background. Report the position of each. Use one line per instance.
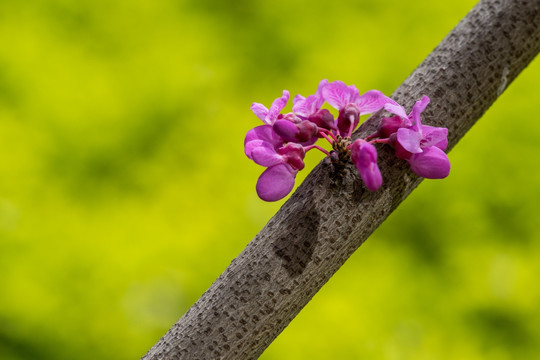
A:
(124, 190)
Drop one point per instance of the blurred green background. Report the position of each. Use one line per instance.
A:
(124, 189)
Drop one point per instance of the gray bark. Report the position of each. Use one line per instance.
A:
(332, 213)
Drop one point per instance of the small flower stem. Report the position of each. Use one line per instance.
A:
(326, 136)
(307, 148)
(379, 141)
(372, 136)
(328, 132)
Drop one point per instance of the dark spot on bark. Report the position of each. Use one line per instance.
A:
(296, 245)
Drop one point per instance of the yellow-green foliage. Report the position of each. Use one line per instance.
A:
(124, 190)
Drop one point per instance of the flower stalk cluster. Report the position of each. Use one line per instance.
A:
(282, 142)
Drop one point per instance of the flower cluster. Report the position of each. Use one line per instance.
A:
(281, 143)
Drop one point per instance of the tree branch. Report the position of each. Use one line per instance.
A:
(332, 214)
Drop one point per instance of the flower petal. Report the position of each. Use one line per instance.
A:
(252, 145)
(286, 129)
(305, 106)
(338, 94)
(431, 164)
(275, 182)
(276, 107)
(260, 110)
(266, 155)
(364, 157)
(307, 131)
(293, 154)
(371, 176)
(400, 152)
(352, 94)
(319, 93)
(397, 110)
(409, 140)
(324, 119)
(417, 109)
(372, 101)
(389, 126)
(265, 133)
(434, 136)
(308, 106)
(299, 105)
(348, 118)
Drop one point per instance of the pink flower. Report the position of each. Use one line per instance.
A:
(299, 131)
(282, 166)
(422, 145)
(270, 116)
(266, 148)
(431, 163)
(364, 157)
(281, 143)
(351, 105)
(259, 136)
(309, 108)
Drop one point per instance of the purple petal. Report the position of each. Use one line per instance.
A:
(299, 105)
(349, 115)
(417, 109)
(293, 154)
(371, 176)
(372, 101)
(389, 126)
(286, 129)
(275, 182)
(319, 93)
(409, 140)
(308, 106)
(400, 152)
(324, 119)
(364, 157)
(313, 103)
(265, 133)
(363, 153)
(252, 145)
(305, 106)
(276, 107)
(307, 131)
(338, 94)
(431, 164)
(397, 110)
(311, 141)
(260, 110)
(266, 155)
(434, 136)
(352, 94)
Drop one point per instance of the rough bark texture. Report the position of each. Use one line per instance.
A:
(332, 213)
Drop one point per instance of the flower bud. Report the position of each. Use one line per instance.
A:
(348, 116)
(293, 154)
(389, 126)
(323, 119)
(295, 132)
(306, 131)
(364, 157)
(286, 129)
